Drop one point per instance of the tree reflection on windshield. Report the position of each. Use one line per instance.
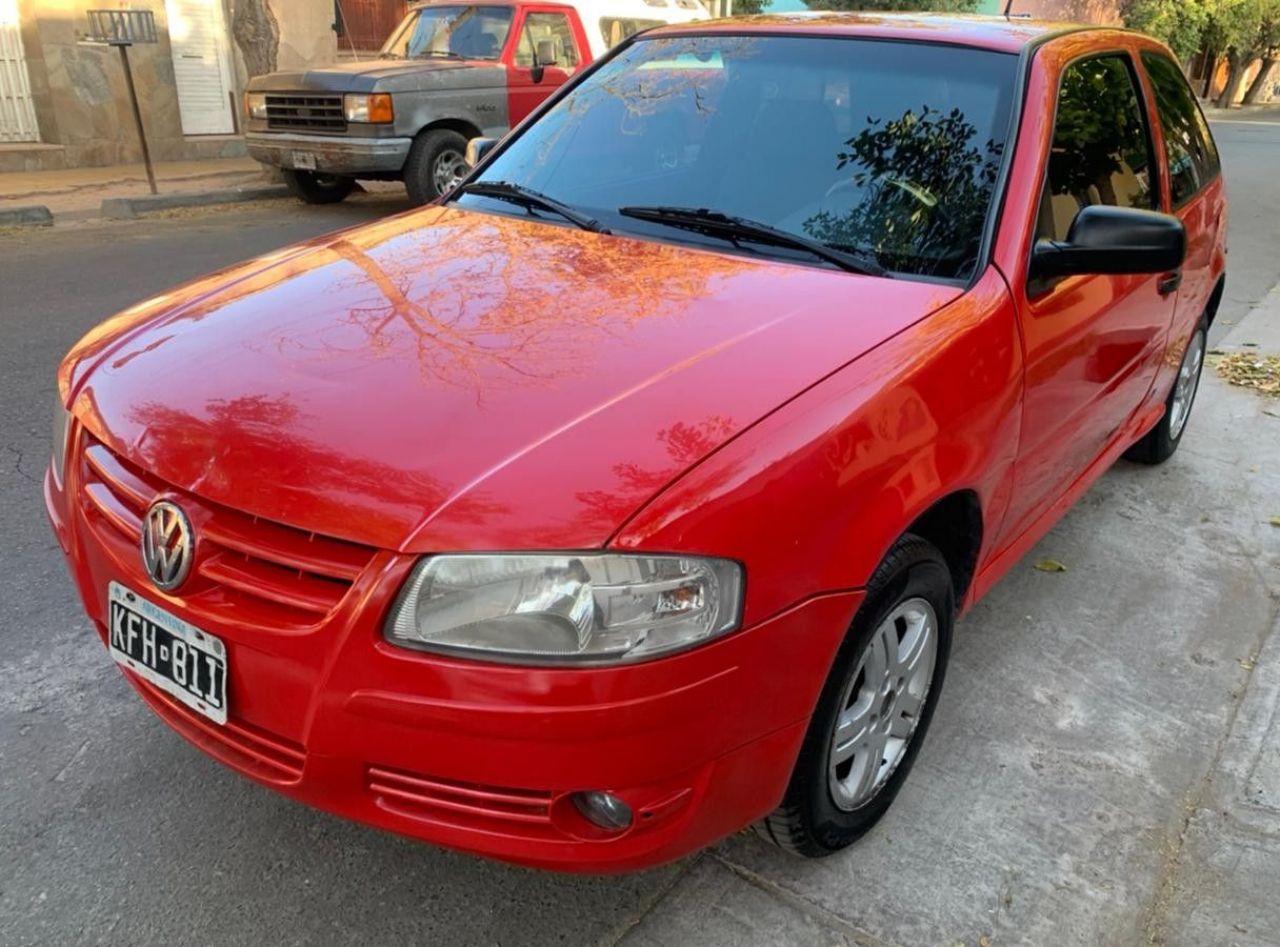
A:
(919, 193)
(887, 149)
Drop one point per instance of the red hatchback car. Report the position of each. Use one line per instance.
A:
(629, 496)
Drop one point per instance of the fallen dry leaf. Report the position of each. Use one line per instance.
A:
(1050, 565)
(1275, 521)
(1250, 370)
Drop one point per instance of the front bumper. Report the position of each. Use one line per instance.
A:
(330, 153)
(479, 757)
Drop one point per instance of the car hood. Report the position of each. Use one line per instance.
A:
(385, 75)
(449, 379)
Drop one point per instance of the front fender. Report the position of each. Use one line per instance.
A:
(813, 496)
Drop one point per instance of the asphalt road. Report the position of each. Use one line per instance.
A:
(1042, 808)
(1250, 148)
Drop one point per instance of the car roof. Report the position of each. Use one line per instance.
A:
(1006, 34)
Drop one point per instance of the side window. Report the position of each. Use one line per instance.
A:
(1101, 150)
(1188, 145)
(615, 29)
(547, 26)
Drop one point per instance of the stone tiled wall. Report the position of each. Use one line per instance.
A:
(79, 91)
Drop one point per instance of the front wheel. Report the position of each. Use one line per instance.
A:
(436, 163)
(875, 706)
(314, 187)
(1162, 440)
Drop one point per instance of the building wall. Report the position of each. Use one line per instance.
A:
(306, 33)
(1074, 11)
(81, 99)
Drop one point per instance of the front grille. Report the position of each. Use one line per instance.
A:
(252, 750)
(247, 569)
(296, 111)
(467, 805)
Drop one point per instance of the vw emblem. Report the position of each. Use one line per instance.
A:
(168, 545)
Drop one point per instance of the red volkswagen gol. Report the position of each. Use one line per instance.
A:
(629, 496)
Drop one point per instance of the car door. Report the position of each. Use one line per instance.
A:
(526, 88)
(1092, 342)
(1196, 194)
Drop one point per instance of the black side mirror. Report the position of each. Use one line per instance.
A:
(477, 148)
(544, 54)
(1105, 239)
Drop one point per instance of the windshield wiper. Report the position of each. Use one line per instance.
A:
(717, 224)
(519, 194)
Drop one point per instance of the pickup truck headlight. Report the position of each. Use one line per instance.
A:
(565, 609)
(255, 104)
(61, 430)
(374, 109)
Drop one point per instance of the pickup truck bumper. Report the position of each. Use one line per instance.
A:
(333, 154)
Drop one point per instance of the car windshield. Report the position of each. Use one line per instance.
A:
(890, 150)
(461, 32)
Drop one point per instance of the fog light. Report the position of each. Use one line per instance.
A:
(603, 809)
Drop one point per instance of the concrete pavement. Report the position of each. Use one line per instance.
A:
(78, 192)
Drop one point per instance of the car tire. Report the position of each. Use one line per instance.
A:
(314, 187)
(436, 162)
(822, 811)
(1158, 444)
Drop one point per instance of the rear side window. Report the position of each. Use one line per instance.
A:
(1101, 151)
(1188, 145)
(615, 29)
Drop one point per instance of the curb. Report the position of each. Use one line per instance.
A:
(32, 215)
(126, 208)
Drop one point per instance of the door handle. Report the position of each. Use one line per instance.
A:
(1169, 283)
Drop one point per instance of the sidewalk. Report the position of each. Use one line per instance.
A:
(76, 192)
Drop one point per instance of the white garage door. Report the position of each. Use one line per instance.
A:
(198, 37)
(17, 117)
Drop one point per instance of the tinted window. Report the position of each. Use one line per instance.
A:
(891, 149)
(1188, 145)
(547, 27)
(466, 32)
(1101, 151)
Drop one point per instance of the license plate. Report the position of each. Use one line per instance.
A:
(161, 648)
(303, 161)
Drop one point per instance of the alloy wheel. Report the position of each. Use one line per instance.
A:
(1184, 388)
(448, 169)
(883, 703)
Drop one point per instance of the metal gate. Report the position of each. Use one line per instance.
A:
(17, 116)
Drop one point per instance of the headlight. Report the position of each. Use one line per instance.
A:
(255, 103)
(61, 428)
(560, 608)
(374, 109)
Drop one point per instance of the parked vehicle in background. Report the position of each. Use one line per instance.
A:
(450, 71)
(630, 494)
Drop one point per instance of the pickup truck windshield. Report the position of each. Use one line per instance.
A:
(455, 32)
(887, 150)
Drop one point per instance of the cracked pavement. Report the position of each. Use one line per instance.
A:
(1103, 769)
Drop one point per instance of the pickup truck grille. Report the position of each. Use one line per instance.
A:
(289, 111)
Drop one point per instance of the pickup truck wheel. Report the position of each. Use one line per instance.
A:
(316, 188)
(436, 163)
(1162, 440)
(875, 706)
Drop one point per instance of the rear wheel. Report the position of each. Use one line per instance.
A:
(436, 163)
(315, 187)
(875, 706)
(1162, 440)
